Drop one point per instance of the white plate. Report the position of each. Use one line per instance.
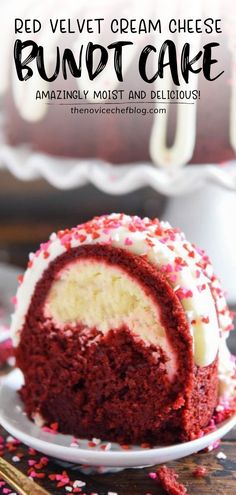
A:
(59, 446)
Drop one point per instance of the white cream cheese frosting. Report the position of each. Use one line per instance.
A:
(187, 269)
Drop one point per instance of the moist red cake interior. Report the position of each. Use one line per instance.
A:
(114, 386)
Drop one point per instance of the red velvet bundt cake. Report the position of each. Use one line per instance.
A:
(120, 330)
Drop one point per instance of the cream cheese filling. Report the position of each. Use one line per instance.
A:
(102, 296)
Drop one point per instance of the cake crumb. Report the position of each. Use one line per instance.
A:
(199, 472)
(167, 478)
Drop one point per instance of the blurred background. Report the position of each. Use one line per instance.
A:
(30, 211)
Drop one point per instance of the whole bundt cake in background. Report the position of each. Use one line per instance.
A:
(141, 130)
(119, 330)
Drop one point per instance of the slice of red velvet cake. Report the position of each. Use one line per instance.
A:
(120, 330)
